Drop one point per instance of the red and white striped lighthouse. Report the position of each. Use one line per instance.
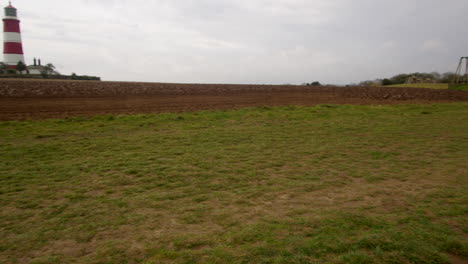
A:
(12, 46)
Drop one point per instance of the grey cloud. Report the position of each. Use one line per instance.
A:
(245, 41)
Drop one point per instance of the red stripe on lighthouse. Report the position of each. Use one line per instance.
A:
(12, 48)
(11, 25)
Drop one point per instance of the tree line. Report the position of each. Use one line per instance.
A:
(403, 78)
(48, 69)
(312, 84)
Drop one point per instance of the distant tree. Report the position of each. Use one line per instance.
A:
(21, 67)
(416, 76)
(3, 68)
(386, 82)
(447, 77)
(400, 78)
(424, 75)
(312, 84)
(368, 83)
(436, 76)
(49, 69)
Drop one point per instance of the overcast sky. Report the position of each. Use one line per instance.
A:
(245, 41)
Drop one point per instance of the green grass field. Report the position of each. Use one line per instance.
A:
(325, 184)
(423, 85)
(458, 86)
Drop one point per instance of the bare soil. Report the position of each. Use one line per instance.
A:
(37, 99)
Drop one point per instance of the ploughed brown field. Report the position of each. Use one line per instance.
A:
(32, 99)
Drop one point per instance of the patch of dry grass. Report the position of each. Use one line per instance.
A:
(335, 184)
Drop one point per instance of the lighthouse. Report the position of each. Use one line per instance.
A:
(12, 46)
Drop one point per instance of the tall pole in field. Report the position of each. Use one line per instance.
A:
(456, 78)
(466, 71)
(460, 76)
(12, 45)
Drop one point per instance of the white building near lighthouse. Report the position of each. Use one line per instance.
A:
(37, 67)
